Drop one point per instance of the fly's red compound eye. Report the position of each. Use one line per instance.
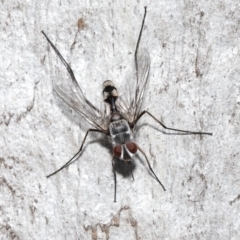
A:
(132, 147)
(117, 151)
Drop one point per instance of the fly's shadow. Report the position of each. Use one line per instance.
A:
(126, 169)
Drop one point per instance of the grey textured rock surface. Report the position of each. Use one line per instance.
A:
(194, 85)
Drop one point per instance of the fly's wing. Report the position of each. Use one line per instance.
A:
(71, 93)
(131, 102)
(142, 79)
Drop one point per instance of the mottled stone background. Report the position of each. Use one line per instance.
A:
(194, 85)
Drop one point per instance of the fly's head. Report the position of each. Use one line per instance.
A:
(125, 151)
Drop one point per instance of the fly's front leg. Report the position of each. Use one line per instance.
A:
(151, 168)
(173, 129)
(132, 170)
(115, 180)
(80, 149)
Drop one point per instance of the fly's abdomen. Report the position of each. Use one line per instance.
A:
(110, 94)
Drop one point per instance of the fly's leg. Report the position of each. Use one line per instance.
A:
(142, 113)
(151, 168)
(132, 171)
(72, 159)
(70, 71)
(174, 129)
(130, 165)
(138, 42)
(115, 180)
(61, 57)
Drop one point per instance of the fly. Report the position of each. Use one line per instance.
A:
(119, 123)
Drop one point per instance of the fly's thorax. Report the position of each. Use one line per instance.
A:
(125, 151)
(120, 131)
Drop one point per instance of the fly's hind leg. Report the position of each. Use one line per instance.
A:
(138, 42)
